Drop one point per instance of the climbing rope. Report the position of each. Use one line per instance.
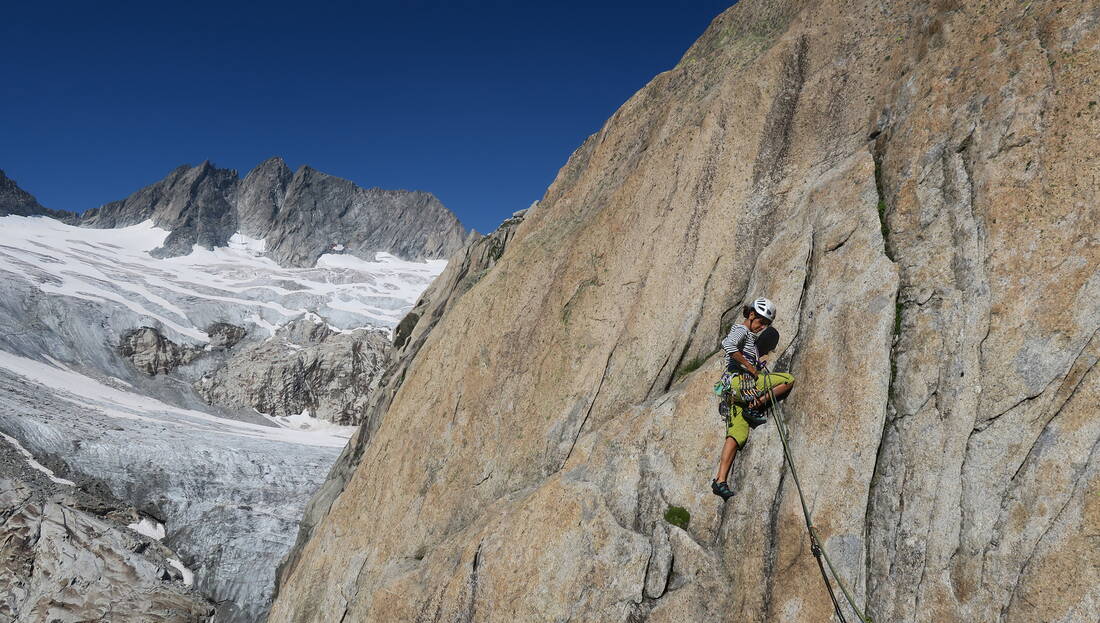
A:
(815, 542)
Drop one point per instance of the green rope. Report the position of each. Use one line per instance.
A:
(815, 542)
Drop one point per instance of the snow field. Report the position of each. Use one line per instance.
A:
(188, 575)
(115, 403)
(114, 266)
(149, 527)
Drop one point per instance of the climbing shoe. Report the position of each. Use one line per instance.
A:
(755, 417)
(721, 489)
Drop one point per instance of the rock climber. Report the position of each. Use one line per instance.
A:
(744, 387)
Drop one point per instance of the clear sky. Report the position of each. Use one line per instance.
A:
(479, 103)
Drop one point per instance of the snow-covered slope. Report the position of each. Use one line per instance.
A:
(228, 486)
(182, 294)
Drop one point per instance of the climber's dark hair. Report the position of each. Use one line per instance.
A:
(767, 341)
(747, 309)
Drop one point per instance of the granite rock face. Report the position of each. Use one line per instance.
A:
(913, 184)
(304, 367)
(300, 216)
(224, 335)
(464, 269)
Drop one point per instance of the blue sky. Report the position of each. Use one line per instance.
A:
(479, 103)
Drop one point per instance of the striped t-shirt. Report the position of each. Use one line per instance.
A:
(741, 339)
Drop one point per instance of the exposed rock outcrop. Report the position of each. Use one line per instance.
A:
(224, 335)
(18, 202)
(153, 354)
(304, 367)
(907, 182)
(68, 556)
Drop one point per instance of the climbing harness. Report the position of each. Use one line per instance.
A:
(815, 542)
(738, 387)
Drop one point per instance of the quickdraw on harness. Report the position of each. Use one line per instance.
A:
(737, 387)
(815, 542)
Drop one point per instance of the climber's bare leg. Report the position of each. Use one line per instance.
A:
(724, 465)
(778, 391)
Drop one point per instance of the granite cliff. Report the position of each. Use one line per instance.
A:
(464, 270)
(914, 184)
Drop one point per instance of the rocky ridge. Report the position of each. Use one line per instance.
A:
(15, 200)
(913, 183)
(300, 215)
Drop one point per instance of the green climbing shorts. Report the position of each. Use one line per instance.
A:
(737, 426)
(773, 379)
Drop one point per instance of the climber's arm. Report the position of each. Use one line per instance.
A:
(740, 359)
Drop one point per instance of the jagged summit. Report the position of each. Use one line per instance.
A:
(16, 201)
(193, 203)
(261, 195)
(300, 215)
(320, 210)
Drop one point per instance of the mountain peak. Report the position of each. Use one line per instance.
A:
(16, 201)
(273, 162)
(301, 214)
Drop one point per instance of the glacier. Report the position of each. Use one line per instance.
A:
(225, 488)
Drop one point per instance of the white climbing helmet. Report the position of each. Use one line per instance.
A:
(764, 307)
